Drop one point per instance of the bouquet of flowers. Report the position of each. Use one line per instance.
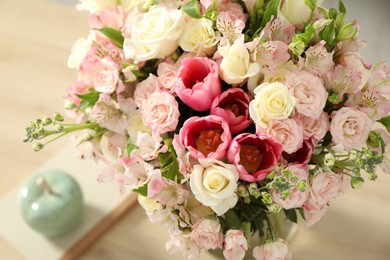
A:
(222, 113)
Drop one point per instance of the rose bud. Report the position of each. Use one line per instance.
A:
(206, 137)
(232, 105)
(198, 82)
(254, 155)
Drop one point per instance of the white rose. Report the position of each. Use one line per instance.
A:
(79, 50)
(272, 101)
(295, 11)
(236, 65)
(93, 6)
(199, 37)
(214, 184)
(154, 34)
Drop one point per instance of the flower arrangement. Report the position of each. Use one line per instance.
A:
(222, 113)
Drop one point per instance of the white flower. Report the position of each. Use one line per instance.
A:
(296, 12)
(272, 101)
(79, 50)
(199, 37)
(214, 183)
(236, 65)
(136, 126)
(93, 6)
(149, 205)
(154, 34)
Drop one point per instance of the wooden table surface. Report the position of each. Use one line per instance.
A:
(35, 41)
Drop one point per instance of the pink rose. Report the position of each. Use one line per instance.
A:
(315, 129)
(325, 186)
(232, 105)
(276, 250)
(254, 156)
(297, 197)
(161, 112)
(207, 234)
(235, 245)
(206, 137)
(309, 91)
(350, 127)
(146, 88)
(302, 156)
(313, 211)
(198, 82)
(106, 76)
(167, 76)
(286, 132)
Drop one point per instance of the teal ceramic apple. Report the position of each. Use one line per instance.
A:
(51, 203)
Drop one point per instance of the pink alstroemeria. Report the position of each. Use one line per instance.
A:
(111, 17)
(183, 157)
(318, 60)
(230, 27)
(206, 137)
(232, 105)
(278, 30)
(271, 55)
(198, 82)
(254, 155)
(108, 114)
(115, 173)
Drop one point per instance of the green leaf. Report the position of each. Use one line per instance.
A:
(312, 4)
(232, 220)
(386, 122)
(192, 9)
(130, 148)
(142, 190)
(88, 99)
(114, 35)
(302, 213)
(342, 8)
(169, 164)
(270, 11)
(291, 214)
(328, 33)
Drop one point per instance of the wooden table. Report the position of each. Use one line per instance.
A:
(35, 41)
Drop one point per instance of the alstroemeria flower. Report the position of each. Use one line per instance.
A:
(232, 105)
(198, 82)
(206, 137)
(318, 60)
(254, 155)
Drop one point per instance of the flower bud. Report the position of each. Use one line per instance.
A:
(347, 31)
(69, 105)
(357, 182)
(266, 198)
(253, 190)
(301, 186)
(242, 191)
(297, 47)
(274, 208)
(329, 160)
(58, 117)
(47, 121)
(37, 146)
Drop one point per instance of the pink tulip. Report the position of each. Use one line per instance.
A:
(198, 82)
(206, 137)
(302, 156)
(254, 155)
(232, 105)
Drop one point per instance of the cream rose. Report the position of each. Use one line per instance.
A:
(214, 184)
(79, 50)
(154, 34)
(136, 125)
(199, 37)
(236, 65)
(350, 127)
(272, 101)
(296, 12)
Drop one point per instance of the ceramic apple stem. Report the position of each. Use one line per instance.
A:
(43, 183)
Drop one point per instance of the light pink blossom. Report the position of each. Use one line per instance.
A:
(325, 186)
(271, 55)
(198, 82)
(309, 91)
(146, 88)
(206, 137)
(232, 105)
(106, 76)
(297, 198)
(276, 250)
(207, 233)
(161, 112)
(350, 127)
(230, 27)
(318, 60)
(254, 156)
(235, 245)
(111, 17)
(286, 132)
(313, 211)
(314, 128)
(278, 30)
(115, 173)
(167, 76)
(234, 9)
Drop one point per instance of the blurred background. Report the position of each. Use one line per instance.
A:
(35, 41)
